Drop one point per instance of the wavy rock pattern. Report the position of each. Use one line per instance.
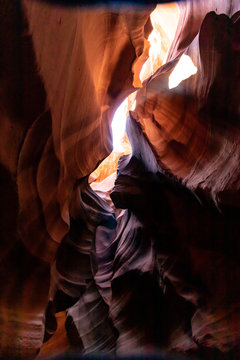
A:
(194, 139)
(155, 264)
(189, 239)
(78, 123)
(40, 163)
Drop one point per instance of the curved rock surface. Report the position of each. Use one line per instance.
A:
(151, 263)
(66, 61)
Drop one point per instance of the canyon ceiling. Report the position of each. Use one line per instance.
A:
(141, 261)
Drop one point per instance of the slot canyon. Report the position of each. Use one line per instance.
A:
(120, 179)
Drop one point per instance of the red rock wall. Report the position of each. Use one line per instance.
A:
(156, 266)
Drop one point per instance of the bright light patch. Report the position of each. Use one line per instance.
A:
(154, 52)
(119, 125)
(133, 105)
(164, 20)
(183, 70)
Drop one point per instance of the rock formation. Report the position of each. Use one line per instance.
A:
(152, 263)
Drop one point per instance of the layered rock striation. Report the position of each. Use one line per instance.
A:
(152, 263)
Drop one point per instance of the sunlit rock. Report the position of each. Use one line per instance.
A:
(140, 254)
